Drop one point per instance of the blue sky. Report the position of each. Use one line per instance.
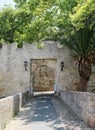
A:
(6, 2)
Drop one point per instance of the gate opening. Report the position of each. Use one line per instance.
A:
(42, 75)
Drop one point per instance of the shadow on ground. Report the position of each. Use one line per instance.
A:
(40, 110)
(47, 112)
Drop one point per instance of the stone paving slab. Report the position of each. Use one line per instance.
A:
(46, 113)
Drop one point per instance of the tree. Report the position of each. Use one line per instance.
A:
(28, 22)
(81, 40)
(74, 25)
(6, 25)
(13, 23)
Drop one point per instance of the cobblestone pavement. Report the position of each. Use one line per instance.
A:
(46, 113)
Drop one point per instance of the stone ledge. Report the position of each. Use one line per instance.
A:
(10, 106)
(82, 103)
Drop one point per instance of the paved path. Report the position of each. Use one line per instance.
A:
(40, 114)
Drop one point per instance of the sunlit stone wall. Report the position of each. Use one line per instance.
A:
(14, 78)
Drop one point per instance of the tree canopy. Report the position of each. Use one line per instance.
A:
(71, 22)
(35, 20)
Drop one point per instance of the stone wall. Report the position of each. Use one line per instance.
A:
(91, 83)
(10, 106)
(14, 78)
(82, 103)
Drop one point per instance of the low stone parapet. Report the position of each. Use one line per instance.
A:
(82, 103)
(10, 106)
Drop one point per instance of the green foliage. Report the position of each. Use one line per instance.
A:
(81, 39)
(61, 20)
(40, 45)
(83, 32)
(6, 25)
(84, 14)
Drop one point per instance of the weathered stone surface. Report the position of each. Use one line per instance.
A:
(42, 72)
(91, 83)
(82, 103)
(2, 93)
(15, 79)
(10, 106)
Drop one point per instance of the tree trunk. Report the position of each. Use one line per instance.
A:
(84, 72)
(83, 84)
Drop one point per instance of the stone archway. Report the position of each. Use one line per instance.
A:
(42, 73)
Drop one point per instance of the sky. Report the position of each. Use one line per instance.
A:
(6, 2)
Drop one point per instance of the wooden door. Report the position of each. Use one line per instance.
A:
(42, 75)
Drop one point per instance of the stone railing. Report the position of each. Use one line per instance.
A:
(82, 103)
(10, 106)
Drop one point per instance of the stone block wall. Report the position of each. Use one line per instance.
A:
(13, 77)
(91, 83)
(82, 103)
(2, 93)
(10, 106)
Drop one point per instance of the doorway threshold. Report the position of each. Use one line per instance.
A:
(43, 93)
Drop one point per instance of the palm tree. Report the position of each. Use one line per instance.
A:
(82, 47)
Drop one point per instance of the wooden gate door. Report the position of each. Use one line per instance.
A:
(42, 74)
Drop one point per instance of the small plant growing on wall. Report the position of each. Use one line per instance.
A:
(40, 45)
